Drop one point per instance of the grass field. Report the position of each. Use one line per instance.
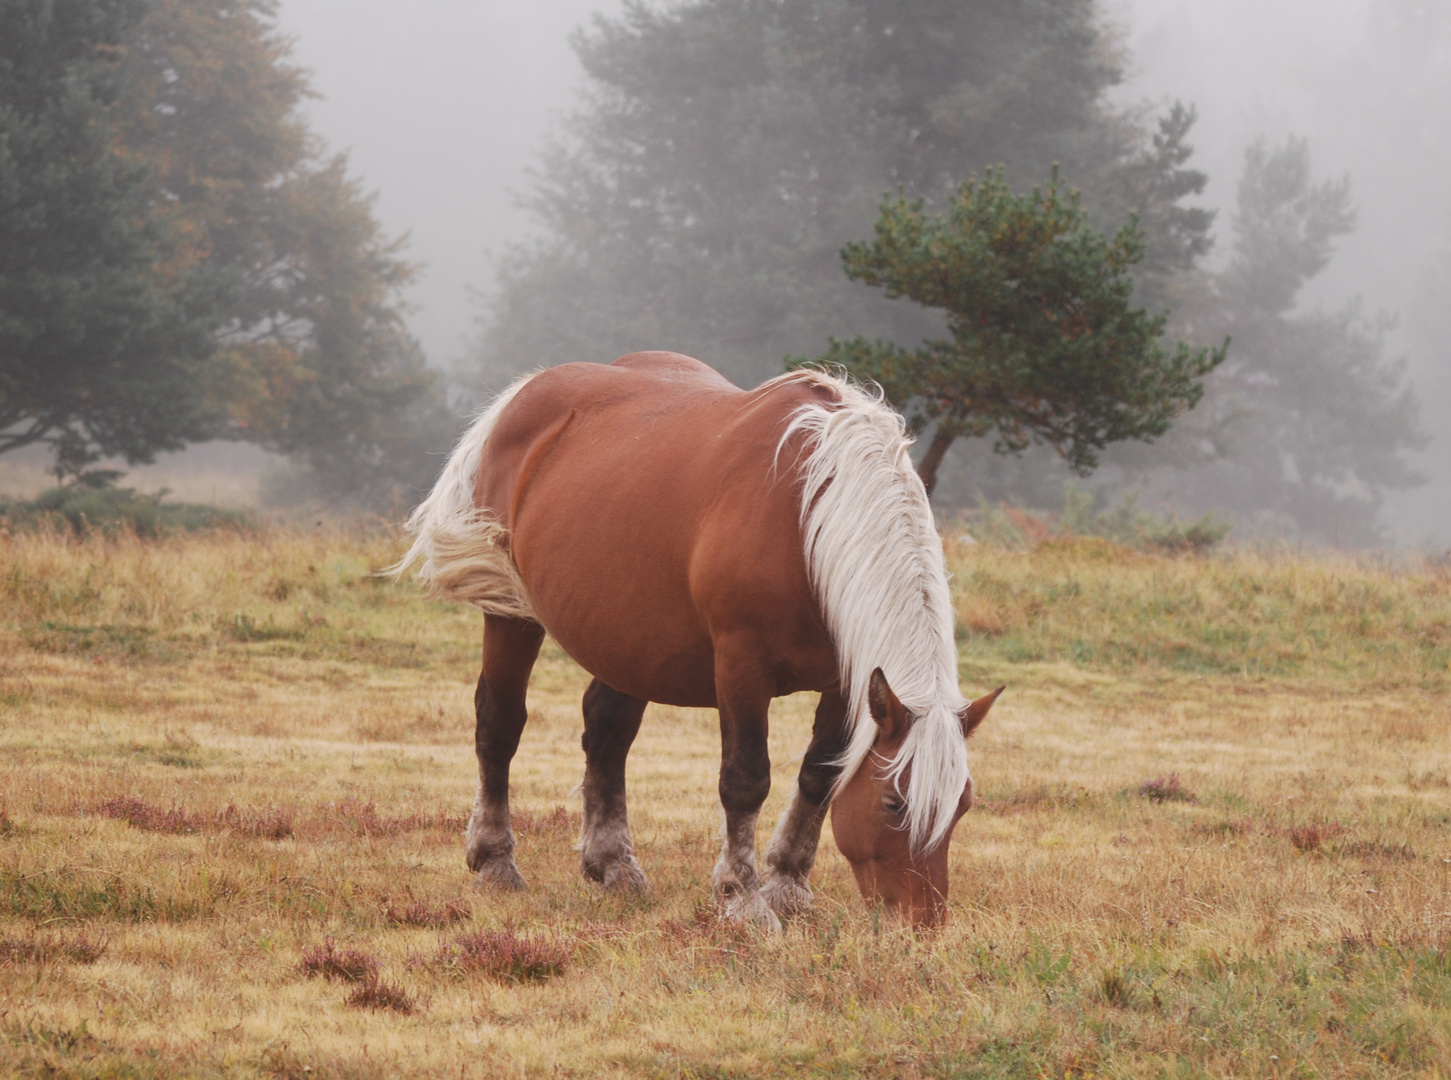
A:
(1214, 836)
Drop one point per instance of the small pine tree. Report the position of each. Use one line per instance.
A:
(1045, 342)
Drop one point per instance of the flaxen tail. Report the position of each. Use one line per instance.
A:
(462, 553)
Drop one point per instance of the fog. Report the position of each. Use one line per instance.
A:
(442, 105)
(1368, 82)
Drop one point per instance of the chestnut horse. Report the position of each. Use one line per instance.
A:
(691, 543)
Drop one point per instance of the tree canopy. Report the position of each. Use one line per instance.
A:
(1045, 342)
(727, 148)
(243, 224)
(105, 336)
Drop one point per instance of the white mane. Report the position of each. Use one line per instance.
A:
(876, 565)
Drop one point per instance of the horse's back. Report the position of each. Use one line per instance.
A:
(648, 522)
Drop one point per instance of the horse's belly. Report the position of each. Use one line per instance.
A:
(629, 633)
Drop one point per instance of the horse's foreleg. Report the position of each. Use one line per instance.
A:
(745, 781)
(793, 849)
(510, 648)
(607, 855)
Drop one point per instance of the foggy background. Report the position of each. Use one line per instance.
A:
(443, 104)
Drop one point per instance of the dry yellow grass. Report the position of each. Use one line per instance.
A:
(167, 709)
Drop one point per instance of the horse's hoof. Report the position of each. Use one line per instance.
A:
(752, 910)
(788, 897)
(625, 878)
(499, 873)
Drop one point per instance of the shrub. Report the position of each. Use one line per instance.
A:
(419, 913)
(1124, 523)
(84, 508)
(501, 954)
(558, 821)
(142, 815)
(374, 993)
(348, 965)
(271, 823)
(1166, 789)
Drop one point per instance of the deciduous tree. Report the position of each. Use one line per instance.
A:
(260, 243)
(105, 335)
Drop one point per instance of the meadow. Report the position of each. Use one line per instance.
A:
(1212, 836)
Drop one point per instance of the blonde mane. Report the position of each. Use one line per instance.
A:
(876, 566)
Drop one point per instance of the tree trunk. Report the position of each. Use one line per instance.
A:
(936, 451)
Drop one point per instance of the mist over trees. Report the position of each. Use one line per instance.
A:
(181, 259)
(726, 149)
(1308, 423)
(212, 271)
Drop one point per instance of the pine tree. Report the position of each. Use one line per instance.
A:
(1044, 343)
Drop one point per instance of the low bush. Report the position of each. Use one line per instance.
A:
(84, 508)
(376, 993)
(327, 961)
(502, 954)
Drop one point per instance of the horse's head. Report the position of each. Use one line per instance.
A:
(867, 817)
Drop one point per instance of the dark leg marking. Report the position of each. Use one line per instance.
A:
(510, 648)
(607, 854)
(745, 781)
(793, 849)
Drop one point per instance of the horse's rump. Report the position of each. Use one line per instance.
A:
(462, 552)
(634, 510)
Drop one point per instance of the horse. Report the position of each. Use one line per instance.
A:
(691, 543)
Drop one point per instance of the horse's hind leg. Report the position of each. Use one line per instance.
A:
(793, 848)
(510, 648)
(607, 855)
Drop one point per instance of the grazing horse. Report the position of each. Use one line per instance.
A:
(691, 543)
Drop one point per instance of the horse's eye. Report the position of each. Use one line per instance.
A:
(893, 804)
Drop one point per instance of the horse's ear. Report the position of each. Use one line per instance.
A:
(973, 713)
(887, 710)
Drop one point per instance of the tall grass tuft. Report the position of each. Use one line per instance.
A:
(79, 948)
